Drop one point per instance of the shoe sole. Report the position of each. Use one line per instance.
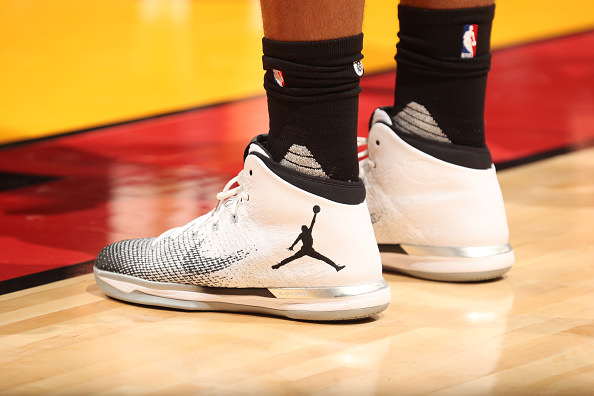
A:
(311, 304)
(450, 269)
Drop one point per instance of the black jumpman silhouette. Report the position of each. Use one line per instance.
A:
(307, 246)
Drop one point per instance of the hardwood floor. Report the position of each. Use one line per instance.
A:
(529, 333)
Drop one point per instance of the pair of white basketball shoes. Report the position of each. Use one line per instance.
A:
(284, 243)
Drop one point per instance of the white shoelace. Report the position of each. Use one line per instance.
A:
(233, 195)
(363, 156)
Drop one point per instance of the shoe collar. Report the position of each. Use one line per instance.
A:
(350, 193)
(257, 145)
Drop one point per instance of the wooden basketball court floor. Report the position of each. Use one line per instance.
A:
(122, 119)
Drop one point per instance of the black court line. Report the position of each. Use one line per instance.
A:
(12, 180)
(544, 155)
(45, 277)
(96, 128)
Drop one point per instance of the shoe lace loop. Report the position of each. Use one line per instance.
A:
(233, 195)
(237, 194)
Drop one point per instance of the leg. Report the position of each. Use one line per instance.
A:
(441, 74)
(429, 170)
(311, 48)
(311, 20)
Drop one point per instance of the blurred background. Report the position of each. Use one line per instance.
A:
(67, 65)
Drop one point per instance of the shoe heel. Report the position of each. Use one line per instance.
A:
(450, 269)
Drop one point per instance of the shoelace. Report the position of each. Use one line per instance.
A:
(363, 156)
(233, 195)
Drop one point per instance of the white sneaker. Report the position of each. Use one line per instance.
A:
(280, 243)
(433, 219)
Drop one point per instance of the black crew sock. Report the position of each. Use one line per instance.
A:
(442, 74)
(313, 97)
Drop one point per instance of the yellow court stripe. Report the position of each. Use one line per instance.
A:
(70, 64)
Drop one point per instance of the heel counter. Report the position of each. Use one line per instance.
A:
(349, 237)
(430, 201)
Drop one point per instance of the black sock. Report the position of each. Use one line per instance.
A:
(441, 76)
(313, 98)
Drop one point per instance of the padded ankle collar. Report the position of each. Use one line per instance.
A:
(348, 193)
(469, 157)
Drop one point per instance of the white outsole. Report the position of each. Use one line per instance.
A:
(450, 269)
(349, 307)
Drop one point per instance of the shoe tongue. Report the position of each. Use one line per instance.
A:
(257, 145)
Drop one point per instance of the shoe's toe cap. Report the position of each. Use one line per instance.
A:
(127, 257)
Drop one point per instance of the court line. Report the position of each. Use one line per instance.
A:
(45, 277)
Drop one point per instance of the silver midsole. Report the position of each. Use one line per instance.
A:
(328, 292)
(272, 292)
(452, 251)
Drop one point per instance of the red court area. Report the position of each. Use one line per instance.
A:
(64, 198)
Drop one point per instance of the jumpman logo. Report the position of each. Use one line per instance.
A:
(307, 246)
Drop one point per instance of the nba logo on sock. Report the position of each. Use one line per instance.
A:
(469, 41)
(278, 77)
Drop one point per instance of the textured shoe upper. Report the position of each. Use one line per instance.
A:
(189, 258)
(270, 231)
